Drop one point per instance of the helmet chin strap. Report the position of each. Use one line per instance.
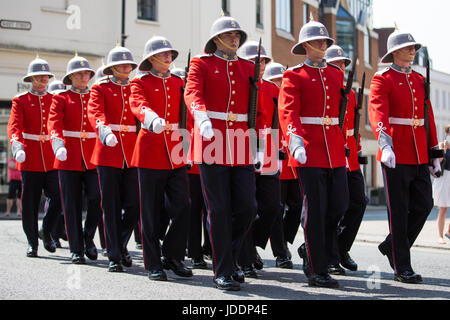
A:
(226, 45)
(315, 49)
(120, 74)
(160, 62)
(406, 54)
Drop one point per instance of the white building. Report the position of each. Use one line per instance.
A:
(56, 29)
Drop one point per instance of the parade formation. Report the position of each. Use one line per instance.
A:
(235, 146)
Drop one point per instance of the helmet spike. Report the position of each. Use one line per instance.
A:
(311, 17)
(395, 26)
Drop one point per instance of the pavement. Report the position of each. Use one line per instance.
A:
(374, 228)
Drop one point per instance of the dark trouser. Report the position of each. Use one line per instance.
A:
(101, 233)
(409, 202)
(72, 184)
(229, 194)
(268, 206)
(119, 190)
(196, 217)
(168, 189)
(137, 232)
(350, 222)
(325, 201)
(33, 183)
(285, 226)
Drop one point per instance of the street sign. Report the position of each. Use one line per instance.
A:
(15, 24)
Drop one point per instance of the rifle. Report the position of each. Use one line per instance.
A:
(183, 109)
(253, 104)
(345, 92)
(432, 153)
(361, 159)
(182, 122)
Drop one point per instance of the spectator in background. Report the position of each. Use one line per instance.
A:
(441, 188)
(15, 188)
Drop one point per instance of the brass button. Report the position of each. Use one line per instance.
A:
(233, 92)
(168, 114)
(84, 123)
(124, 118)
(230, 123)
(324, 79)
(230, 64)
(231, 73)
(168, 105)
(168, 88)
(232, 102)
(233, 82)
(328, 107)
(327, 127)
(126, 102)
(326, 87)
(168, 97)
(83, 139)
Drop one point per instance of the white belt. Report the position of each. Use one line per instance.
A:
(35, 137)
(327, 121)
(77, 134)
(122, 128)
(167, 127)
(350, 132)
(230, 116)
(406, 121)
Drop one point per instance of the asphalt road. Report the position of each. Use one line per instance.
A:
(52, 276)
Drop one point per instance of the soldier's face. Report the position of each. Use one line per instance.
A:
(228, 41)
(123, 70)
(161, 61)
(80, 79)
(405, 54)
(340, 64)
(317, 49)
(39, 81)
(278, 81)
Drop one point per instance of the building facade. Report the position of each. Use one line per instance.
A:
(56, 29)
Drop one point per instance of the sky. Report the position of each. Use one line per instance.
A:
(427, 20)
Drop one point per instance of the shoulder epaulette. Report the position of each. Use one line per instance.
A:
(20, 94)
(102, 81)
(252, 62)
(382, 71)
(296, 67)
(205, 55)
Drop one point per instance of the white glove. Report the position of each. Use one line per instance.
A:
(20, 156)
(206, 129)
(259, 161)
(388, 157)
(300, 155)
(280, 165)
(158, 125)
(436, 167)
(61, 154)
(111, 140)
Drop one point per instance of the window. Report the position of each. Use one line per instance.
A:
(366, 46)
(305, 13)
(283, 15)
(444, 102)
(147, 10)
(259, 14)
(226, 7)
(346, 32)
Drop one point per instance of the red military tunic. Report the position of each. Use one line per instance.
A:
(28, 125)
(68, 120)
(349, 124)
(312, 93)
(109, 105)
(397, 96)
(160, 94)
(218, 88)
(268, 91)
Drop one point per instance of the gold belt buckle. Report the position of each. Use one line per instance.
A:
(168, 127)
(327, 121)
(123, 128)
(416, 122)
(42, 138)
(231, 116)
(83, 135)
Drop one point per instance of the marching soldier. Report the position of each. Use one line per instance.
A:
(27, 131)
(110, 113)
(73, 141)
(287, 221)
(155, 101)
(308, 110)
(350, 222)
(396, 113)
(267, 177)
(217, 96)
